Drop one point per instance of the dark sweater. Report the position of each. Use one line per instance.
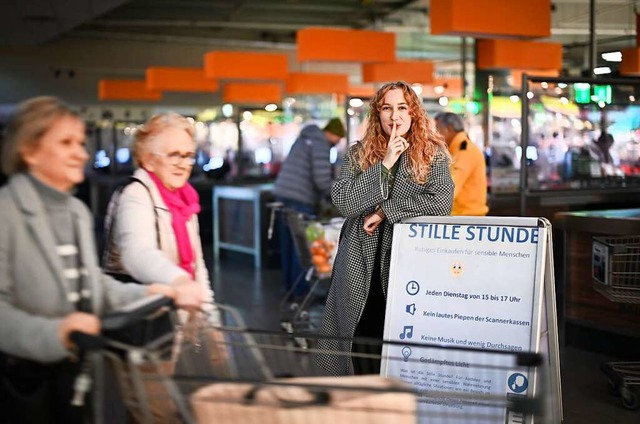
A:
(306, 174)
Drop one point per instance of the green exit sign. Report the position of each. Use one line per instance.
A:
(582, 92)
(601, 93)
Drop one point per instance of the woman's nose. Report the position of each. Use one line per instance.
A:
(82, 153)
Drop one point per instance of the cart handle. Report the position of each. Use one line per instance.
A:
(135, 312)
(86, 342)
(319, 398)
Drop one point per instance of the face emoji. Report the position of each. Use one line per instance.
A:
(456, 269)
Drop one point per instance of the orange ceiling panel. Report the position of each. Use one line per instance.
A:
(450, 87)
(126, 90)
(491, 18)
(363, 90)
(630, 61)
(179, 79)
(411, 71)
(517, 54)
(316, 83)
(516, 75)
(345, 45)
(246, 65)
(252, 93)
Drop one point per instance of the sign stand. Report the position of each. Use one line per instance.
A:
(462, 292)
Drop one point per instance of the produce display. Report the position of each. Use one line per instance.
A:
(321, 240)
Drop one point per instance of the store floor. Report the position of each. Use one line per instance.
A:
(256, 294)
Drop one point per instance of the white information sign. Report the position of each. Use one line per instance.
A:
(470, 283)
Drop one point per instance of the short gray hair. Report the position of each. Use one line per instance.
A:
(145, 135)
(448, 119)
(28, 123)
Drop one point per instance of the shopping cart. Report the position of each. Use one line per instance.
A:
(220, 371)
(301, 392)
(147, 343)
(616, 275)
(315, 246)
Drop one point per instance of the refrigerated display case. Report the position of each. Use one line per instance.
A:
(585, 134)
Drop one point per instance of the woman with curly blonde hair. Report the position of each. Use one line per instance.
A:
(400, 169)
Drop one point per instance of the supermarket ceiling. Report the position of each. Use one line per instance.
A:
(272, 24)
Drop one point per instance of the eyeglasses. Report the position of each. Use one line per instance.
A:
(176, 158)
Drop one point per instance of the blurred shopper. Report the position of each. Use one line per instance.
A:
(303, 182)
(400, 169)
(50, 283)
(469, 168)
(152, 226)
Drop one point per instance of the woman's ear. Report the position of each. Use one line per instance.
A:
(147, 161)
(27, 153)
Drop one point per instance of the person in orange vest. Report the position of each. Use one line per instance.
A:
(468, 169)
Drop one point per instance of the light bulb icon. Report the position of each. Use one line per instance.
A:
(406, 353)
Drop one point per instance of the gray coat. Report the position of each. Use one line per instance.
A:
(355, 194)
(33, 296)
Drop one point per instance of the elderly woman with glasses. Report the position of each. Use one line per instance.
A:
(153, 233)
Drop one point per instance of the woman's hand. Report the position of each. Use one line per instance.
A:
(395, 147)
(371, 222)
(77, 321)
(185, 292)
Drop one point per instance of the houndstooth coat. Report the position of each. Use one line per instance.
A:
(356, 194)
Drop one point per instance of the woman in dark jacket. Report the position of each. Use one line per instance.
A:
(400, 169)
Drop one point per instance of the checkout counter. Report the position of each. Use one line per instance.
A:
(590, 320)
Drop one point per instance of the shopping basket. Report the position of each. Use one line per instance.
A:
(616, 275)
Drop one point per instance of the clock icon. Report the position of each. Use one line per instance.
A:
(413, 288)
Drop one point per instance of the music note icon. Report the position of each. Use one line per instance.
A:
(407, 332)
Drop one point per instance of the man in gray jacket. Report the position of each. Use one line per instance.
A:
(304, 180)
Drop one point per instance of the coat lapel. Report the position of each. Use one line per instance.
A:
(35, 217)
(88, 257)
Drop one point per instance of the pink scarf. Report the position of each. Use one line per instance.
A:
(182, 203)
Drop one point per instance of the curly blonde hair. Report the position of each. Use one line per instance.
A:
(424, 140)
(146, 134)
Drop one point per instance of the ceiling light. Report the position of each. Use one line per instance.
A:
(227, 110)
(530, 95)
(356, 102)
(612, 56)
(271, 107)
(602, 70)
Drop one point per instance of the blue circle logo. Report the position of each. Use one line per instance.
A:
(517, 382)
